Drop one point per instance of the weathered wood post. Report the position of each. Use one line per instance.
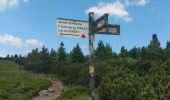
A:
(91, 54)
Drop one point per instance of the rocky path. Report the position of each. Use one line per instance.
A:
(52, 93)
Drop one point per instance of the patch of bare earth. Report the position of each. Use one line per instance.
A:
(52, 93)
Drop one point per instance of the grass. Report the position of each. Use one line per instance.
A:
(18, 84)
(75, 93)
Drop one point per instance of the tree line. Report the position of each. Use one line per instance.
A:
(138, 73)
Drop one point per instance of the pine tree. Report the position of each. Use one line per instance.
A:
(77, 54)
(21, 60)
(154, 50)
(33, 60)
(109, 52)
(44, 54)
(134, 52)
(143, 52)
(34, 55)
(103, 52)
(61, 52)
(8, 57)
(167, 49)
(154, 42)
(100, 51)
(168, 44)
(123, 53)
(15, 58)
(53, 53)
(45, 60)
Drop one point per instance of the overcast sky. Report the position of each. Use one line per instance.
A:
(27, 24)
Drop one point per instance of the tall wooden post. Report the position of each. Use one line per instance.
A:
(91, 54)
(99, 26)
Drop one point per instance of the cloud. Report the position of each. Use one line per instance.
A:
(5, 4)
(10, 40)
(13, 3)
(26, 1)
(2, 55)
(136, 2)
(34, 42)
(142, 2)
(117, 9)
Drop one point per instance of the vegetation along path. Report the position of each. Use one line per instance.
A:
(52, 93)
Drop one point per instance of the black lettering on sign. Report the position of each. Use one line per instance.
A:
(82, 28)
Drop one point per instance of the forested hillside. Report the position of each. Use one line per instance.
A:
(135, 74)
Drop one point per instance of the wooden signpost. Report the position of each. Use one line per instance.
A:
(84, 29)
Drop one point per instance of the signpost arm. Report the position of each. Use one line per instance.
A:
(91, 54)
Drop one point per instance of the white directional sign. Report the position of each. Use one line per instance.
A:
(109, 29)
(72, 28)
(103, 20)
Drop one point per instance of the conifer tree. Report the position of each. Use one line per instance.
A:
(123, 53)
(53, 53)
(45, 60)
(103, 52)
(134, 52)
(154, 42)
(8, 57)
(143, 52)
(61, 52)
(109, 52)
(100, 51)
(154, 50)
(77, 54)
(167, 49)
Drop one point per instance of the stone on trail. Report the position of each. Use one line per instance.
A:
(43, 93)
(51, 90)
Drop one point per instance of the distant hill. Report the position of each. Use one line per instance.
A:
(18, 84)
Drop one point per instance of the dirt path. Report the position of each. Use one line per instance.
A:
(52, 93)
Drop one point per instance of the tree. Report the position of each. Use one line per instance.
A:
(15, 58)
(21, 60)
(33, 60)
(53, 53)
(45, 60)
(134, 52)
(154, 42)
(61, 52)
(109, 52)
(143, 52)
(103, 52)
(100, 51)
(123, 53)
(77, 55)
(154, 50)
(167, 50)
(8, 57)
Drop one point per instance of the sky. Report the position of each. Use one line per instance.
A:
(28, 24)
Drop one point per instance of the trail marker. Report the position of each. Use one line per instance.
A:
(72, 28)
(84, 29)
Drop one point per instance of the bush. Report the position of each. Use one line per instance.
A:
(120, 85)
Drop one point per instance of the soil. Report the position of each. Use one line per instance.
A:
(52, 93)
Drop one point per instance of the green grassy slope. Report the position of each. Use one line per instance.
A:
(74, 93)
(18, 84)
